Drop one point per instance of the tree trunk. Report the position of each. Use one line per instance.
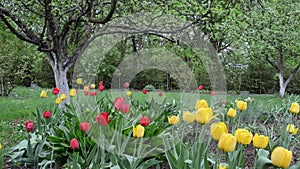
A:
(281, 84)
(61, 81)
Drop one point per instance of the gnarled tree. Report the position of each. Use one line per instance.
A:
(60, 29)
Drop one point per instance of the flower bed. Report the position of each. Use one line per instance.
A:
(101, 132)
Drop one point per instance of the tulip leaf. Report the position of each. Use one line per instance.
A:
(188, 161)
(295, 166)
(263, 163)
(263, 153)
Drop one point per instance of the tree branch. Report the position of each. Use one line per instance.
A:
(30, 36)
(71, 60)
(14, 31)
(109, 15)
(293, 73)
(274, 64)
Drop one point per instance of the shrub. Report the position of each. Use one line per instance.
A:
(149, 87)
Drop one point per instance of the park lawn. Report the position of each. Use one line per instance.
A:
(23, 102)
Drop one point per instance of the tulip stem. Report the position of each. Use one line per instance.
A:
(227, 158)
(255, 151)
(196, 136)
(240, 154)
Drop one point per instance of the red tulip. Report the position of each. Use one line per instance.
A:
(126, 85)
(124, 108)
(74, 144)
(101, 83)
(145, 91)
(29, 126)
(118, 102)
(160, 94)
(101, 88)
(212, 93)
(102, 119)
(93, 93)
(84, 126)
(55, 90)
(120, 105)
(86, 93)
(144, 121)
(47, 114)
(201, 87)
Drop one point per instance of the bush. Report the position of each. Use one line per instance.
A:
(149, 87)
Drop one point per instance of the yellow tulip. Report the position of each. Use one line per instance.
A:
(58, 100)
(231, 113)
(0, 146)
(295, 108)
(227, 142)
(79, 81)
(188, 117)
(201, 104)
(138, 131)
(281, 157)
(260, 141)
(93, 86)
(241, 105)
(243, 136)
(72, 92)
(129, 93)
(222, 167)
(174, 119)
(43, 94)
(291, 129)
(204, 115)
(63, 96)
(217, 129)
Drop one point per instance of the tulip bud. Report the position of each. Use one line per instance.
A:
(281, 157)
(84, 126)
(217, 129)
(174, 119)
(55, 91)
(243, 136)
(63, 96)
(93, 86)
(29, 126)
(43, 94)
(260, 141)
(295, 108)
(74, 144)
(204, 115)
(241, 105)
(201, 104)
(231, 113)
(188, 117)
(145, 91)
(144, 121)
(58, 100)
(227, 142)
(291, 129)
(79, 81)
(138, 131)
(72, 92)
(47, 114)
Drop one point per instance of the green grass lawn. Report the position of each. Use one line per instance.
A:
(18, 108)
(23, 101)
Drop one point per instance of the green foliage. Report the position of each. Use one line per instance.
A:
(149, 87)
